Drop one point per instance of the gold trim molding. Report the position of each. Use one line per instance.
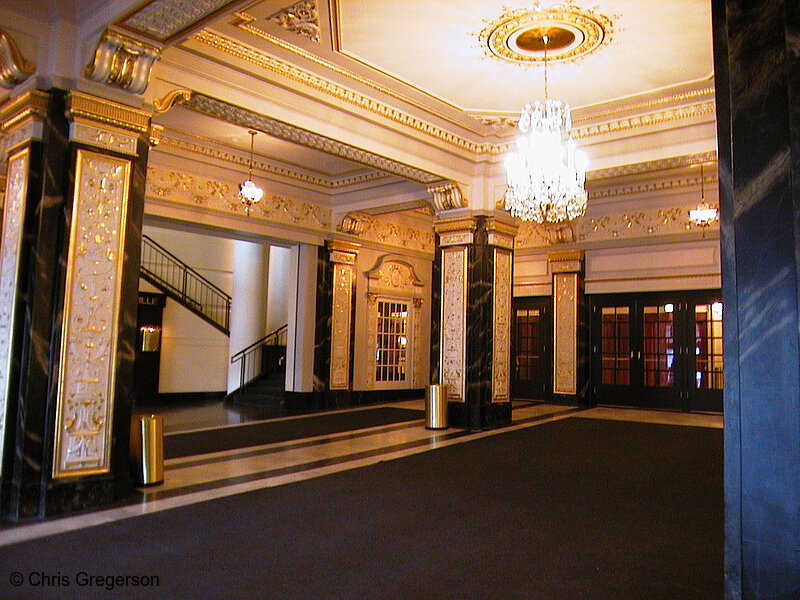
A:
(87, 364)
(99, 110)
(14, 67)
(31, 105)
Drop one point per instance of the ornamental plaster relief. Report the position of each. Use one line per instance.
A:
(397, 235)
(13, 213)
(91, 309)
(454, 322)
(629, 225)
(501, 331)
(565, 318)
(195, 190)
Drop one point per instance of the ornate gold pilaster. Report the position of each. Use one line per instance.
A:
(566, 268)
(455, 236)
(343, 256)
(91, 312)
(94, 274)
(13, 213)
(501, 237)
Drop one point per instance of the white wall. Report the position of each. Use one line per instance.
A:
(280, 279)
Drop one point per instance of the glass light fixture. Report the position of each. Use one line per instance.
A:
(546, 173)
(249, 192)
(704, 214)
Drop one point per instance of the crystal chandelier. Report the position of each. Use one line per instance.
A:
(546, 174)
(249, 192)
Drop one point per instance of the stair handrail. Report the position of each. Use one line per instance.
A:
(220, 317)
(245, 353)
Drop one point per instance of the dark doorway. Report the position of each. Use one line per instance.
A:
(532, 348)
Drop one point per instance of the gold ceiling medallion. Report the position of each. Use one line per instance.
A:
(572, 33)
(300, 18)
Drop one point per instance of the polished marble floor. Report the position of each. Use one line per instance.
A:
(204, 477)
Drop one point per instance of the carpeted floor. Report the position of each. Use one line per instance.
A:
(574, 509)
(177, 445)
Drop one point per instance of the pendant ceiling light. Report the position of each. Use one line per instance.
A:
(704, 214)
(249, 192)
(546, 173)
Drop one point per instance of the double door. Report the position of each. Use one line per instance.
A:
(658, 350)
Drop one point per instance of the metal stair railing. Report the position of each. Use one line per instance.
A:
(185, 285)
(251, 366)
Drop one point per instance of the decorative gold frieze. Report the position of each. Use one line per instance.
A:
(455, 232)
(300, 18)
(645, 120)
(370, 228)
(453, 335)
(103, 137)
(501, 326)
(14, 67)
(100, 110)
(565, 333)
(87, 363)
(446, 195)
(123, 62)
(285, 131)
(30, 106)
(156, 131)
(394, 275)
(13, 214)
(501, 233)
(195, 190)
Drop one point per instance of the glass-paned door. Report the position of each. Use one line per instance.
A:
(392, 348)
(658, 350)
(532, 348)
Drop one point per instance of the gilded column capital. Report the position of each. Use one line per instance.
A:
(342, 252)
(122, 61)
(17, 112)
(570, 261)
(446, 195)
(14, 67)
(105, 124)
(456, 232)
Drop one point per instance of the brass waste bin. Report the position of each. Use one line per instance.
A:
(147, 449)
(436, 406)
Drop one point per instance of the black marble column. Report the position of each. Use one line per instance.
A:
(479, 409)
(29, 488)
(757, 66)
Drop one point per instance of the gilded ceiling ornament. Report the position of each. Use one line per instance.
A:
(14, 68)
(300, 18)
(171, 99)
(446, 195)
(572, 32)
(123, 62)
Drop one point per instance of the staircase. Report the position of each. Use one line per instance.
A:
(263, 363)
(185, 285)
(263, 370)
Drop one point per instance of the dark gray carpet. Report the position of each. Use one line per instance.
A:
(575, 509)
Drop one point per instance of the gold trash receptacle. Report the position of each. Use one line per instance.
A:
(436, 406)
(147, 449)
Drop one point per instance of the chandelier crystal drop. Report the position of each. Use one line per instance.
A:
(704, 214)
(546, 173)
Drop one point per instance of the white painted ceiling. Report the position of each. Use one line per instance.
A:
(433, 45)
